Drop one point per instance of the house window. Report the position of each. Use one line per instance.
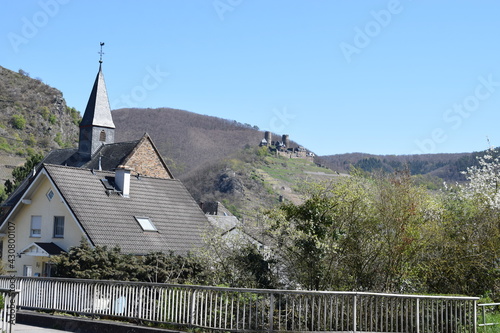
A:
(146, 223)
(58, 226)
(50, 194)
(27, 270)
(102, 136)
(36, 226)
(48, 269)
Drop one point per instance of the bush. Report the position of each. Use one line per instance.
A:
(18, 122)
(45, 112)
(52, 119)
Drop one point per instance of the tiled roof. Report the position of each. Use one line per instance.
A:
(111, 155)
(110, 219)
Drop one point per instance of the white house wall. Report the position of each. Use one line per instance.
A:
(41, 206)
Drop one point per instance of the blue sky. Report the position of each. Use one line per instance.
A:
(381, 77)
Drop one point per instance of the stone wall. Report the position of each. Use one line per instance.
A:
(146, 161)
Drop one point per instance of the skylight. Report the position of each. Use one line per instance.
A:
(146, 223)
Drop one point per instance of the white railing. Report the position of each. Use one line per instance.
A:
(483, 313)
(8, 306)
(256, 310)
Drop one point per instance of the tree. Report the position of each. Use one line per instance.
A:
(308, 236)
(103, 263)
(355, 234)
(170, 268)
(85, 262)
(464, 258)
(20, 173)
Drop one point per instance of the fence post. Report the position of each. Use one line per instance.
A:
(417, 315)
(271, 312)
(475, 316)
(54, 294)
(354, 313)
(93, 300)
(193, 309)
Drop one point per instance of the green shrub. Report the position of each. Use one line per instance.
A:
(18, 121)
(45, 112)
(52, 119)
(58, 139)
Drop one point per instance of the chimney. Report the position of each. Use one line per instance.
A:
(122, 179)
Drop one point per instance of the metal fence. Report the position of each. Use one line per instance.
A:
(8, 307)
(256, 310)
(483, 307)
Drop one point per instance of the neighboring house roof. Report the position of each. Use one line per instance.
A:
(224, 223)
(110, 219)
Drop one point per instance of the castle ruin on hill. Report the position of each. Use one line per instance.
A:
(283, 147)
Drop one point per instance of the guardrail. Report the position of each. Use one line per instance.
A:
(8, 307)
(483, 313)
(256, 310)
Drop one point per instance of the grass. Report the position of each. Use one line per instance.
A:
(290, 169)
(490, 318)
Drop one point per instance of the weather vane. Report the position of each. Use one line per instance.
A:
(101, 53)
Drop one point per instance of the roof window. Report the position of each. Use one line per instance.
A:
(145, 223)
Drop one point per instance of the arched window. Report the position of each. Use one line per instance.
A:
(102, 136)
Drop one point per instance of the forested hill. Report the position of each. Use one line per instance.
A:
(191, 141)
(447, 167)
(186, 140)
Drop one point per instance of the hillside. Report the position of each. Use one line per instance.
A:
(34, 118)
(185, 139)
(445, 167)
(253, 179)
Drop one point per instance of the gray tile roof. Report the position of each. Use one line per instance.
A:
(111, 155)
(109, 219)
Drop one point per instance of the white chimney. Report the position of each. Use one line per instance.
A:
(122, 179)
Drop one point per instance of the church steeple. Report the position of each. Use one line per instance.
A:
(97, 126)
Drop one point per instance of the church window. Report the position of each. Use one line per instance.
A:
(102, 136)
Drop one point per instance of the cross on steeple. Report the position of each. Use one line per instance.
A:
(101, 53)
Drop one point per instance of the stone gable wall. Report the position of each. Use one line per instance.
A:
(145, 161)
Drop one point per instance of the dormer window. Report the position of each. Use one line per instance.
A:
(145, 223)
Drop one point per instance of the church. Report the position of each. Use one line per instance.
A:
(104, 192)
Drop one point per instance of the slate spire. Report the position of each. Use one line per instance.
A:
(98, 111)
(97, 126)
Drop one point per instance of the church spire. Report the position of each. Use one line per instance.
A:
(97, 126)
